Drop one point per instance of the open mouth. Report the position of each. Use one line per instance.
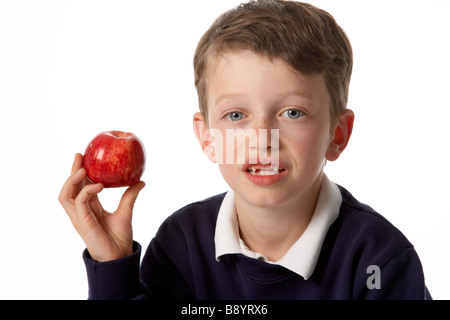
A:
(264, 173)
(260, 170)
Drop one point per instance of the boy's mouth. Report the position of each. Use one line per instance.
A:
(264, 170)
(264, 173)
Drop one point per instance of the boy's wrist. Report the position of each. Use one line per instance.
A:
(135, 248)
(115, 279)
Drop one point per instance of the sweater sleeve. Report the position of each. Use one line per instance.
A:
(116, 279)
(401, 278)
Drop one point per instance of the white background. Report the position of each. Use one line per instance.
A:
(70, 69)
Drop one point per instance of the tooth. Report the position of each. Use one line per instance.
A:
(264, 171)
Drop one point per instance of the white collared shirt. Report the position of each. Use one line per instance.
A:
(302, 257)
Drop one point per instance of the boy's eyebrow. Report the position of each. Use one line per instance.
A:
(227, 96)
(302, 94)
(284, 94)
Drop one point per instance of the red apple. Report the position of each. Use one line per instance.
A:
(115, 159)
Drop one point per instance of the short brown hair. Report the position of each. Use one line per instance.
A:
(307, 38)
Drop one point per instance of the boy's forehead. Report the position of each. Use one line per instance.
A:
(235, 70)
(224, 59)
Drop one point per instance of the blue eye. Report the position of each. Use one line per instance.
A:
(235, 116)
(293, 114)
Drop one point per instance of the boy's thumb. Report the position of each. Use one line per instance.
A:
(129, 197)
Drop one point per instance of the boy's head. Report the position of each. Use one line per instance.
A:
(308, 39)
(272, 79)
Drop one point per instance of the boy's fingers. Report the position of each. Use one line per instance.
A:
(77, 163)
(72, 186)
(82, 200)
(129, 197)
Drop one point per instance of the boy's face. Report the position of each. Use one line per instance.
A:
(250, 92)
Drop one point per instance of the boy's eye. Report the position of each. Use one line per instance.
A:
(292, 113)
(235, 116)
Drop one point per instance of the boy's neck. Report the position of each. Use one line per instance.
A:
(272, 231)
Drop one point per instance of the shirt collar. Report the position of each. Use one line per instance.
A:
(302, 257)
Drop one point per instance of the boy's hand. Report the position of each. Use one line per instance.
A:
(108, 236)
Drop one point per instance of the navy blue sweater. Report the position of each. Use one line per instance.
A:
(180, 263)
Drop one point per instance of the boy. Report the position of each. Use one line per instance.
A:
(277, 71)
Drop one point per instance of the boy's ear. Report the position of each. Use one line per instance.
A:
(342, 133)
(204, 136)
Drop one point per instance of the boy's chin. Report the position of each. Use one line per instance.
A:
(263, 197)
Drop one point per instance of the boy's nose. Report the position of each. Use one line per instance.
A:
(265, 125)
(268, 134)
(264, 122)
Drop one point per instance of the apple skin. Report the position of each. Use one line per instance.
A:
(115, 159)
